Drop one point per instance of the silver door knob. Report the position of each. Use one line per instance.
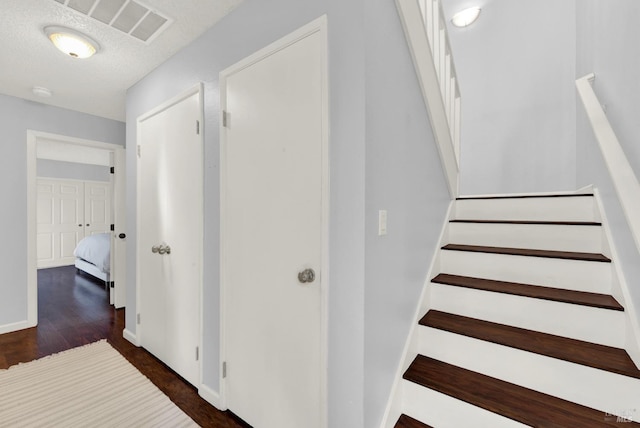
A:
(307, 275)
(161, 249)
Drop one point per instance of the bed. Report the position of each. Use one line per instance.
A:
(93, 256)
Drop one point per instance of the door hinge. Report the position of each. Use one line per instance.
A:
(112, 284)
(198, 127)
(112, 170)
(225, 118)
(113, 227)
(224, 369)
(138, 319)
(138, 150)
(197, 353)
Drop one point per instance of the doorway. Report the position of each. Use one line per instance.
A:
(274, 223)
(41, 145)
(169, 239)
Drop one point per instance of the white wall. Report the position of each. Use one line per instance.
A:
(16, 117)
(607, 46)
(516, 68)
(382, 155)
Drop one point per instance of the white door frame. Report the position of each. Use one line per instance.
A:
(197, 89)
(117, 161)
(318, 25)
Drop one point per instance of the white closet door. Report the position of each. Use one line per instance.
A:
(97, 207)
(60, 216)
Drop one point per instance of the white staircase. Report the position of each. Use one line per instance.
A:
(519, 326)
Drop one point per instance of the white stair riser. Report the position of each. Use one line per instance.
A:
(543, 209)
(602, 326)
(442, 411)
(568, 274)
(590, 387)
(531, 236)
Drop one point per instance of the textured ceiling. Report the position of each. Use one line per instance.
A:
(96, 85)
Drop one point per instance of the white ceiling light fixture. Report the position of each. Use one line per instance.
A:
(72, 42)
(466, 17)
(41, 91)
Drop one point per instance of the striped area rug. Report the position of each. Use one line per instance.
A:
(89, 386)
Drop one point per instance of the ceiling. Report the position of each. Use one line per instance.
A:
(96, 85)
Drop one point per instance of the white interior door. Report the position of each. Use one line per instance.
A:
(274, 167)
(118, 293)
(170, 217)
(97, 207)
(60, 217)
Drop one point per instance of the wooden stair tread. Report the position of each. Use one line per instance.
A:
(583, 298)
(601, 357)
(571, 195)
(512, 401)
(408, 422)
(535, 222)
(567, 255)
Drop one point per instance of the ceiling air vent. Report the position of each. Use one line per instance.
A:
(129, 16)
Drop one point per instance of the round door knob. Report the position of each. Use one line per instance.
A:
(122, 236)
(307, 275)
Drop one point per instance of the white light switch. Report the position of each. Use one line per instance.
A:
(382, 222)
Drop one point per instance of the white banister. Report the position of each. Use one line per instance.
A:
(426, 32)
(622, 175)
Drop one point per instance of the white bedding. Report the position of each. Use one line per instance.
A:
(95, 249)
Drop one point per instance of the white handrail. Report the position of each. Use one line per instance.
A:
(624, 179)
(426, 32)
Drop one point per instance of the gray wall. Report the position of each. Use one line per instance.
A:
(380, 142)
(16, 117)
(403, 176)
(607, 46)
(516, 67)
(71, 170)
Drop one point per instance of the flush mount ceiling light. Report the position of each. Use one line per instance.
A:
(466, 17)
(41, 91)
(71, 42)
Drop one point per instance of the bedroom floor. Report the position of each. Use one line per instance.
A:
(74, 310)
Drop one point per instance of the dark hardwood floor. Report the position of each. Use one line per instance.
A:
(74, 310)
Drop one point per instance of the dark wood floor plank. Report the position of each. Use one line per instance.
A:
(571, 195)
(74, 310)
(567, 255)
(583, 298)
(602, 357)
(532, 222)
(408, 422)
(512, 401)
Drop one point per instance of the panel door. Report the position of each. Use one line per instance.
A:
(273, 175)
(60, 216)
(97, 207)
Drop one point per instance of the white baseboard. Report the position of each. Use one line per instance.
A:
(212, 397)
(8, 328)
(131, 337)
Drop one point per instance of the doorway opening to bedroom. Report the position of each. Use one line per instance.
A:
(76, 230)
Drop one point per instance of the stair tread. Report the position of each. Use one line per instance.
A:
(536, 222)
(408, 422)
(509, 400)
(556, 195)
(614, 360)
(568, 255)
(583, 298)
